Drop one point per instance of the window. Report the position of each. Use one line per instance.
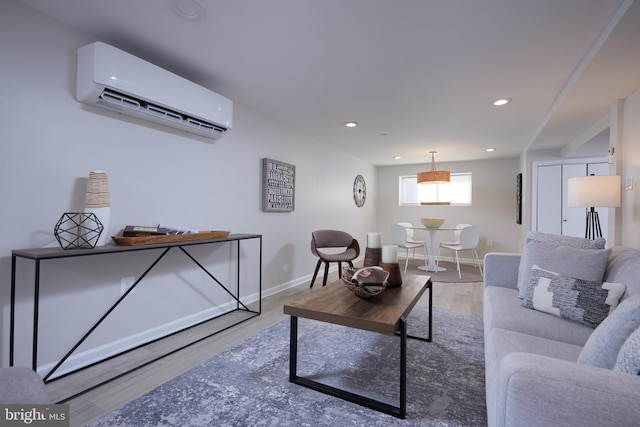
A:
(458, 191)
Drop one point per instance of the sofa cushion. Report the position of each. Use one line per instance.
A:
(503, 309)
(603, 346)
(571, 298)
(623, 266)
(501, 342)
(530, 256)
(628, 360)
(543, 391)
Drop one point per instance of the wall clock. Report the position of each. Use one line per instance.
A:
(359, 191)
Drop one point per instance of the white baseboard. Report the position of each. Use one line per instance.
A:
(100, 353)
(421, 256)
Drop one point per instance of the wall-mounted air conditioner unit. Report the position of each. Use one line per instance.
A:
(111, 78)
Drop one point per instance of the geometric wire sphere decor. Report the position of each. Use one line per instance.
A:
(78, 230)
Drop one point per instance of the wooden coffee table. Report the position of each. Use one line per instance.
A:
(385, 313)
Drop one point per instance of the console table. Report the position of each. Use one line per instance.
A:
(43, 254)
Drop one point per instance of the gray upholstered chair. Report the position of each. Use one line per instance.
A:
(342, 247)
(20, 385)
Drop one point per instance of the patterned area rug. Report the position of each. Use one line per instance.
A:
(248, 385)
(469, 272)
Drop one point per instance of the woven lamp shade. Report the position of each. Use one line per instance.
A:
(97, 195)
(434, 177)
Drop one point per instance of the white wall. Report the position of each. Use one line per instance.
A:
(493, 209)
(629, 159)
(50, 143)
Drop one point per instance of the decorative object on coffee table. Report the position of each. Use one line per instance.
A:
(373, 252)
(365, 282)
(390, 264)
(78, 230)
(372, 257)
(395, 276)
(97, 201)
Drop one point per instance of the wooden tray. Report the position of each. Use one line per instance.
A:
(169, 238)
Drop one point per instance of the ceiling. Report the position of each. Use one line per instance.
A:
(416, 75)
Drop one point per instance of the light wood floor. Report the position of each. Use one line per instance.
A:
(465, 297)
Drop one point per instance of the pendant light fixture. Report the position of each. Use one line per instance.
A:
(434, 176)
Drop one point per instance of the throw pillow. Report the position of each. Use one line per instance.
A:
(603, 346)
(628, 360)
(586, 264)
(583, 301)
(556, 240)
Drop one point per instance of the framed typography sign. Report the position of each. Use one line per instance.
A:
(278, 186)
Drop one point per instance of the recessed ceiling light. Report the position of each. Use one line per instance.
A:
(397, 157)
(351, 124)
(501, 101)
(188, 9)
(490, 150)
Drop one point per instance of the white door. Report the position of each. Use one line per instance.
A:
(552, 213)
(549, 199)
(574, 220)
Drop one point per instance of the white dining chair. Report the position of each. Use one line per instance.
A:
(410, 233)
(456, 235)
(402, 236)
(468, 237)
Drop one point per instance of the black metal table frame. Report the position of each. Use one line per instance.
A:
(397, 411)
(38, 255)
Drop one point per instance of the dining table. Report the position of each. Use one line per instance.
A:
(431, 265)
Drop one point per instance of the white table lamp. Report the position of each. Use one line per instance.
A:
(594, 191)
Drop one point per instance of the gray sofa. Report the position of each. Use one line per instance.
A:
(549, 370)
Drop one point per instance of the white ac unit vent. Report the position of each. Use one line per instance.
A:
(111, 78)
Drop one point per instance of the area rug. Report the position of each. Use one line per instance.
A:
(469, 272)
(248, 385)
